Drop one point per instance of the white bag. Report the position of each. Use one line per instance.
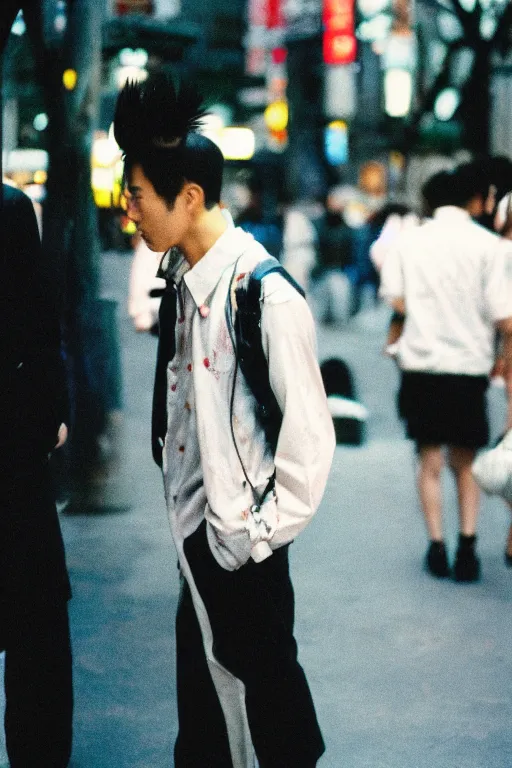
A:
(492, 469)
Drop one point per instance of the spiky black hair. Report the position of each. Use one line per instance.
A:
(157, 126)
(156, 113)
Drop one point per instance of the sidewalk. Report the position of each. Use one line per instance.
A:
(406, 671)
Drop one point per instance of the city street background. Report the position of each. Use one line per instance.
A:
(406, 671)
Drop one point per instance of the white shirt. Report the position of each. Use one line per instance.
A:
(455, 279)
(203, 477)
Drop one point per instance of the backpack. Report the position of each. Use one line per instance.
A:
(250, 357)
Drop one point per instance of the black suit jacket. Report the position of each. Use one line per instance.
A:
(33, 393)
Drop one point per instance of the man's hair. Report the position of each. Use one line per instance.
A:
(438, 191)
(470, 180)
(157, 127)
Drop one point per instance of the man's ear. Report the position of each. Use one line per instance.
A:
(194, 196)
(476, 206)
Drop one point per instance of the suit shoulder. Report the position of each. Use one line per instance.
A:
(15, 197)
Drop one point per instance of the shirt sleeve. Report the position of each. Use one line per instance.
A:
(498, 282)
(391, 276)
(306, 440)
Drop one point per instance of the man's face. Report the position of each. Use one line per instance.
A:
(160, 226)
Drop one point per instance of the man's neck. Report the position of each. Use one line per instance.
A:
(209, 226)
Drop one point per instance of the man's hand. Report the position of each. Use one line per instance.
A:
(62, 436)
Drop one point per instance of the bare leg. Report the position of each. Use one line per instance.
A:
(467, 564)
(467, 489)
(429, 488)
(508, 550)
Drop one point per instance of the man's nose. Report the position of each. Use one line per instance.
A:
(131, 211)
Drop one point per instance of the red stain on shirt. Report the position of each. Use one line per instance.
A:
(241, 276)
(189, 367)
(181, 449)
(206, 362)
(173, 388)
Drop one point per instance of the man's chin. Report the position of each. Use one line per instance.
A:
(156, 248)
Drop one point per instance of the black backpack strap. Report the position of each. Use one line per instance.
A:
(265, 268)
(249, 347)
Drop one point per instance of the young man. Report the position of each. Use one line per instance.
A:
(235, 501)
(451, 279)
(34, 585)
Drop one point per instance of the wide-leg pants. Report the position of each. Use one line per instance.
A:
(251, 614)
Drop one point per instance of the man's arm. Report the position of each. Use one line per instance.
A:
(306, 440)
(35, 330)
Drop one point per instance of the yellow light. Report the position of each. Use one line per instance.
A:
(69, 79)
(105, 152)
(338, 125)
(276, 115)
(40, 177)
(235, 143)
(129, 227)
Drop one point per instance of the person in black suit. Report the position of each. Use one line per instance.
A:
(34, 583)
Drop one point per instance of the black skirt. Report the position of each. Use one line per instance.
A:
(444, 409)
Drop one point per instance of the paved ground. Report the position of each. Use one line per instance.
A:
(407, 672)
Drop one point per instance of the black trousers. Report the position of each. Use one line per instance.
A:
(38, 690)
(251, 613)
(34, 626)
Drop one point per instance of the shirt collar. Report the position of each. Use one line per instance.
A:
(173, 266)
(204, 276)
(450, 212)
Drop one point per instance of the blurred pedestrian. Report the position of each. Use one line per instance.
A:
(34, 585)
(503, 227)
(265, 228)
(143, 306)
(503, 217)
(333, 287)
(450, 278)
(300, 240)
(235, 501)
(395, 218)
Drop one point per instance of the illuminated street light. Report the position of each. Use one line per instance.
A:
(40, 122)
(276, 116)
(446, 104)
(69, 79)
(397, 92)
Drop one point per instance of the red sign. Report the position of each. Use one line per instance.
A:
(274, 14)
(339, 49)
(338, 15)
(339, 42)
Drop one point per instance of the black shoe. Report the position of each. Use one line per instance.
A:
(436, 560)
(467, 564)
(508, 549)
